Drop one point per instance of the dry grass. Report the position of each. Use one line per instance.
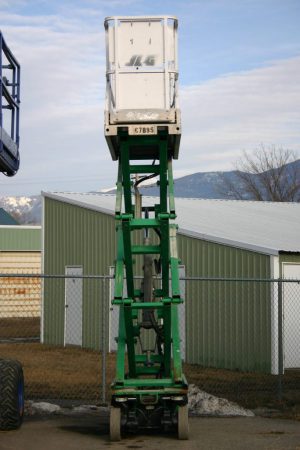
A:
(21, 327)
(57, 372)
(72, 373)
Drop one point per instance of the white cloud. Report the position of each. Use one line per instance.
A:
(62, 91)
(228, 114)
(63, 86)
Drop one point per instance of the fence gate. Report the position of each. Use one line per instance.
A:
(73, 307)
(291, 307)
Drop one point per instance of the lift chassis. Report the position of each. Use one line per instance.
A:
(142, 129)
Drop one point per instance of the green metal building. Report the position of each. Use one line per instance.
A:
(232, 324)
(20, 238)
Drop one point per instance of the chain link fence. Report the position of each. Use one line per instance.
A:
(243, 339)
(240, 338)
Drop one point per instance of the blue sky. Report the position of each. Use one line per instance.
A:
(239, 65)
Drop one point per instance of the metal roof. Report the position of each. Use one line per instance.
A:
(265, 227)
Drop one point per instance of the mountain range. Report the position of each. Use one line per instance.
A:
(213, 185)
(26, 210)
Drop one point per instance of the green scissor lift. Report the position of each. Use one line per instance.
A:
(150, 390)
(142, 129)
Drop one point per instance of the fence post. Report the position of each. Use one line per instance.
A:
(104, 300)
(280, 339)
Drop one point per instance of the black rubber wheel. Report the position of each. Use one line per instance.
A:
(183, 422)
(11, 394)
(115, 424)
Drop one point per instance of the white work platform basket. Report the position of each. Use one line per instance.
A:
(141, 77)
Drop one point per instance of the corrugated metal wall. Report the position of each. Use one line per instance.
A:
(20, 297)
(228, 323)
(18, 238)
(20, 252)
(75, 236)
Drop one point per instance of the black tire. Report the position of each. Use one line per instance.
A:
(11, 394)
(115, 424)
(183, 422)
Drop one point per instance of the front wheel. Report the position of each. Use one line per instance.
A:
(115, 424)
(11, 394)
(183, 422)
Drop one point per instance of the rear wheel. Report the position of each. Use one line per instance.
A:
(183, 422)
(11, 394)
(115, 424)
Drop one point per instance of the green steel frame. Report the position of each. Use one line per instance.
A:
(158, 373)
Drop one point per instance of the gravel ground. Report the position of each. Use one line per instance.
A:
(87, 427)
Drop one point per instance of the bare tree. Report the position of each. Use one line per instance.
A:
(268, 174)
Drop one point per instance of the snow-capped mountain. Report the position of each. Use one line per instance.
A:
(26, 210)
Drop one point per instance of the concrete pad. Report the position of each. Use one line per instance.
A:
(91, 432)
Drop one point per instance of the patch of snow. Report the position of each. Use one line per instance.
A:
(89, 409)
(19, 201)
(44, 408)
(200, 403)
